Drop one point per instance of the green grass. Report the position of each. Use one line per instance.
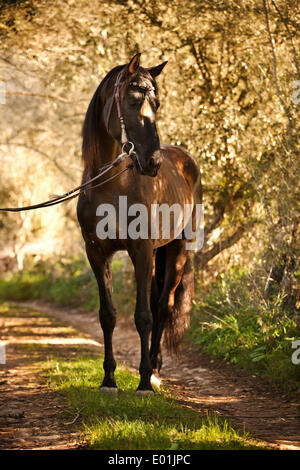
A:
(9, 310)
(234, 322)
(231, 320)
(124, 421)
(128, 422)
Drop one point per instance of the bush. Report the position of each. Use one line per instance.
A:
(233, 321)
(68, 283)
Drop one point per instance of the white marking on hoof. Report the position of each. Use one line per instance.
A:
(155, 381)
(144, 393)
(111, 390)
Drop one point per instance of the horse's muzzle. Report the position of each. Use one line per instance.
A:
(151, 167)
(153, 164)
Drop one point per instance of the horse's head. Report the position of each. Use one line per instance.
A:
(132, 104)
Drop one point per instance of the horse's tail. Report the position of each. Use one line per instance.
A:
(179, 319)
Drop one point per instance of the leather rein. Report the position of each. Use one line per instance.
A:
(55, 199)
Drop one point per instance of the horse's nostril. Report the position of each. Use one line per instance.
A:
(152, 163)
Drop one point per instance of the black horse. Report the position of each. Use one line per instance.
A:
(121, 115)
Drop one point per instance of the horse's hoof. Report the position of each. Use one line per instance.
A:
(109, 390)
(144, 393)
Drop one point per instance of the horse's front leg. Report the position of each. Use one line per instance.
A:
(101, 265)
(142, 258)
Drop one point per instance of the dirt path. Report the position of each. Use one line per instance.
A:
(32, 417)
(208, 385)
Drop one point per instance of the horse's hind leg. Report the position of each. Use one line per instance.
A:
(101, 266)
(156, 288)
(155, 314)
(175, 259)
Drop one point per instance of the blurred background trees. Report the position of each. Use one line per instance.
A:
(229, 94)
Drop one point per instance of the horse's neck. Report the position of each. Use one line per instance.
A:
(109, 149)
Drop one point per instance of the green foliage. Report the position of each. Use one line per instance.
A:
(68, 283)
(220, 99)
(234, 322)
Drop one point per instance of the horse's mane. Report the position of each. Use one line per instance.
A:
(91, 138)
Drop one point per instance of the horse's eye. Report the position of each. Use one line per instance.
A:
(134, 104)
(135, 100)
(135, 97)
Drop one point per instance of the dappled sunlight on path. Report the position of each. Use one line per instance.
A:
(206, 384)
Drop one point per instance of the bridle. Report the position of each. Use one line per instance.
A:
(116, 99)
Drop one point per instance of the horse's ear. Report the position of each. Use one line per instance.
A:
(134, 63)
(155, 71)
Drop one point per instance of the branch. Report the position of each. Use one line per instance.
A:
(283, 105)
(200, 61)
(202, 258)
(39, 95)
(220, 208)
(289, 34)
(216, 220)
